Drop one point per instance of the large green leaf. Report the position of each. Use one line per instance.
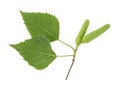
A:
(91, 36)
(82, 32)
(42, 23)
(36, 51)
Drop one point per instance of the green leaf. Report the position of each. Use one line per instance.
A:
(91, 36)
(42, 23)
(82, 32)
(36, 51)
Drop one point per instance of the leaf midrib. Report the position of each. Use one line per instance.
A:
(48, 54)
(42, 28)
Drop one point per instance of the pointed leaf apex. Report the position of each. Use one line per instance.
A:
(36, 51)
(21, 11)
(41, 23)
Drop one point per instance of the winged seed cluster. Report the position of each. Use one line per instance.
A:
(44, 28)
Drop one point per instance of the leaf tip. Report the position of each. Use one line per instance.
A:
(12, 45)
(22, 12)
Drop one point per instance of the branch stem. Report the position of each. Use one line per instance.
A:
(70, 68)
(73, 60)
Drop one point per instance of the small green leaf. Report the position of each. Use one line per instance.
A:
(91, 36)
(82, 32)
(36, 51)
(41, 23)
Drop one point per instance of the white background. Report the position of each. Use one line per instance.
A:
(97, 64)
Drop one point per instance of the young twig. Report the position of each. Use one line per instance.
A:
(73, 60)
(70, 68)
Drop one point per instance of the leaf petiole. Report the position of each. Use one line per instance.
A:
(65, 55)
(66, 44)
